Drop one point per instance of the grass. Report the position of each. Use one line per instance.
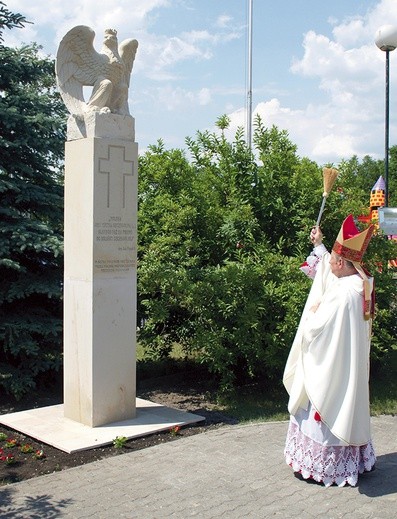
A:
(256, 403)
(259, 404)
(176, 362)
(384, 395)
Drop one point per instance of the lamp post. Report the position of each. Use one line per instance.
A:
(386, 40)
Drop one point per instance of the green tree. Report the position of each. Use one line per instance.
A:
(10, 20)
(31, 215)
(170, 225)
(208, 272)
(392, 176)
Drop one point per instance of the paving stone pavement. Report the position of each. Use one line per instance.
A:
(232, 472)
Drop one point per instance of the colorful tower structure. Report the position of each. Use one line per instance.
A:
(376, 200)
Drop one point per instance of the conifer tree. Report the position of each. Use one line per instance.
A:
(31, 213)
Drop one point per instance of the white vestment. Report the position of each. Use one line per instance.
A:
(328, 365)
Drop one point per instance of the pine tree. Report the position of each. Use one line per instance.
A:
(31, 214)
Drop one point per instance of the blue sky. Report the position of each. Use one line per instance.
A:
(316, 70)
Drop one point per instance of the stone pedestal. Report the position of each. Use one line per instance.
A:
(100, 280)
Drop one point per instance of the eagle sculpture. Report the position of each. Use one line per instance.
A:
(78, 64)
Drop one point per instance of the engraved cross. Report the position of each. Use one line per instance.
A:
(116, 169)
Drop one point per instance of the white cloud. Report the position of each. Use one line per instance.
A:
(341, 145)
(200, 36)
(57, 17)
(351, 33)
(204, 96)
(173, 99)
(328, 59)
(224, 21)
(319, 131)
(175, 49)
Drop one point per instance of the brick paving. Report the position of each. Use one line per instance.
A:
(233, 472)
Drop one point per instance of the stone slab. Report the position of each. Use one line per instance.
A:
(48, 425)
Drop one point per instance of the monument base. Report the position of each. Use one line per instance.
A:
(48, 425)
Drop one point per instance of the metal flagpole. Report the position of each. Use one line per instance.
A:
(249, 93)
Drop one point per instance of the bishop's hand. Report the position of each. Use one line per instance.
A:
(316, 236)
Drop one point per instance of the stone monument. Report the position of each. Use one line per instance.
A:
(101, 158)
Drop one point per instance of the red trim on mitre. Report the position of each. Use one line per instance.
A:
(348, 231)
(348, 254)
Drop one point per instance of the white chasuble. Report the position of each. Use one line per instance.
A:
(328, 364)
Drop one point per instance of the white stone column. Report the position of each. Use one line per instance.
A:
(100, 280)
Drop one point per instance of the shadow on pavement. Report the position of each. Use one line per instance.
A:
(383, 481)
(38, 506)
